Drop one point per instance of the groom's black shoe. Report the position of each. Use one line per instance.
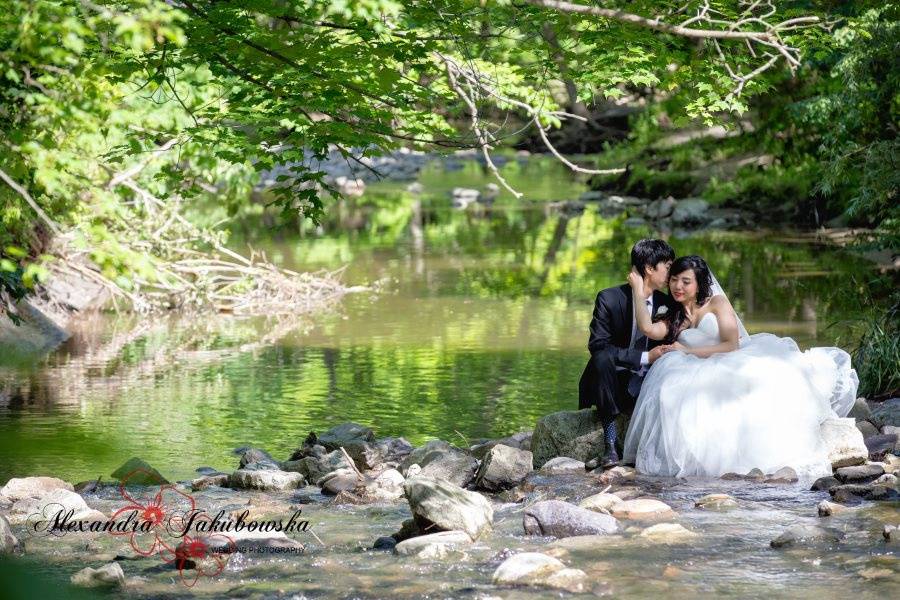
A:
(610, 459)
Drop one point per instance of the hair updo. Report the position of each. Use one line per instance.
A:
(704, 291)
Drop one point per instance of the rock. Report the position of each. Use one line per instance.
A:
(668, 533)
(9, 544)
(890, 430)
(265, 480)
(342, 480)
(260, 458)
(852, 492)
(448, 506)
(393, 451)
(385, 542)
(690, 212)
(201, 483)
(866, 429)
(592, 196)
(888, 479)
(313, 468)
(782, 475)
(860, 410)
(136, 471)
(628, 493)
(453, 465)
(574, 434)
(56, 501)
(880, 445)
(503, 467)
(616, 475)
(19, 488)
(536, 569)
(859, 474)
(463, 197)
(886, 413)
(358, 440)
(433, 545)
(409, 528)
(561, 519)
(388, 486)
(109, 575)
(660, 209)
(601, 503)
(643, 509)
(716, 502)
(521, 440)
(806, 534)
(562, 463)
(891, 533)
(826, 508)
(824, 483)
(844, 442)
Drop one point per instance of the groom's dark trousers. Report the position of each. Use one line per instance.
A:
(610, 380)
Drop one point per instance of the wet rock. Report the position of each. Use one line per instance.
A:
(844, 442)
(852, 492)
(201, 483)
(628, 493)
(109, 575)
(409, 528)
(643, 509)
(19, 488)
(783, 475)
(256, 459)
(888, 479)
(616, 475)
(886, 413)
(880, 445)
(690, 212)
(137, 471)
(891, 533)
(387, 486)
(9, 544)
(807, 534)
(448, 506)
(827, 509)
(867, 429)
(860, 410)
(441, 460)
(562, 463)
(668, 533)
(859, 474)
(716, 502)
(87, 487)
(574, 434)
(503, 467)
(393, 451)
(358, 440)
(561, 519)
(521, 440)
(660, 209)
(55, 502)
(385, 542)
(342, 480)
(265, 479)
(461, 197)
(601, 503)
(536, 569)
(315, 467)
(433, 545)
(823, 484)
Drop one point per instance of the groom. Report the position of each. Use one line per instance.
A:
(620, 354)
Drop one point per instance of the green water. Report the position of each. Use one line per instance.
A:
(478, 326)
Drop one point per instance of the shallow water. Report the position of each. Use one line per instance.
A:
(479, 327)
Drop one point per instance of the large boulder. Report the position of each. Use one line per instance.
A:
(536, 569)
(503, 467)
(844, 442)
(316, 466)
(265, 479)
(447, 506)
(886, 413)
(440, 460)
(358, 440)
(136, 471)
(561, 519)
(859, 473)
(109, 575)
(387, 486)
(56, 502)
(574, 434)
(19, 488)
(8, 541)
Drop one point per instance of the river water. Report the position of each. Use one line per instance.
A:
(477, 326)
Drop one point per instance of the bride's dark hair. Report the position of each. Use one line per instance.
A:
(704, 291)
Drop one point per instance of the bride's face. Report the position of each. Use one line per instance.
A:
(683, 286)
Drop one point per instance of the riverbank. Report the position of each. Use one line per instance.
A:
(511, 517)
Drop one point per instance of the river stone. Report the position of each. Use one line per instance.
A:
(616, 475)
(827, 509)
(574, 434)
(448, 506)
(643, 509)
(452, 465)
(201, 483)
(433, 545)
(860, 473)
(536, 569)
(388, 486)
(880, 445)
(342, 480)
(265, 480)
(8, 542)
(886, 413)
(137, 471)
(888, 479)
(418, 454)
(601, 503)
(51, 503)
(860, 410)
(19, 488)
(503, 467)
(521, 440)
(315, 467)
(690, 212)
(852, 492)
(782, 475)
(255, 456)
(109, 575)
(660, 209)
(804, 534)
(823, 484)
(867, 429)
(562, 463)
(891, 533)
(561, 519)
(393, 451)
(668, 533)
(716, 502)
(844, 442)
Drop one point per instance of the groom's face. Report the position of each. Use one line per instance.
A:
(659, 274)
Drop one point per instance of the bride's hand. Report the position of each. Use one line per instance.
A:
(679, 346)
(636, 282)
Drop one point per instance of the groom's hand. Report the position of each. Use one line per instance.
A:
(657, 352)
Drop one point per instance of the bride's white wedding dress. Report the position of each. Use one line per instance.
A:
(759, 406)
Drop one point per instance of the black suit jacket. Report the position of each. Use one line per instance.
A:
(610, 335)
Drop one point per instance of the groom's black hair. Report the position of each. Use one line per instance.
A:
(649, 253)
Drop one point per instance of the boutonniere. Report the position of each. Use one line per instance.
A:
(662, 310)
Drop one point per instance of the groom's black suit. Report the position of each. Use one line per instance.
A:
(602, 385)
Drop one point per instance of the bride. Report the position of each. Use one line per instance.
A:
(720, 400)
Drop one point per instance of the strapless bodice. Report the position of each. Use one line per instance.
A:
(706, 333)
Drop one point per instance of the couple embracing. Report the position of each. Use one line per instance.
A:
(705, 397)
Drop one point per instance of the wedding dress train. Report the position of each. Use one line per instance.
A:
(759, 406)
